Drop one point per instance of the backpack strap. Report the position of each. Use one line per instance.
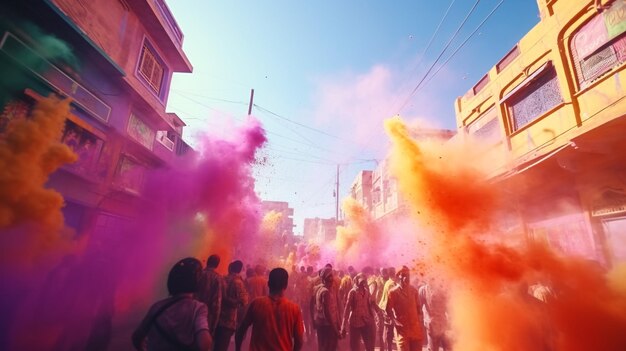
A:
(169, 338)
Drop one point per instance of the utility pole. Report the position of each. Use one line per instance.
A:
(251, 102)
(337, 197)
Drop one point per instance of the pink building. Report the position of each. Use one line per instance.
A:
(115, 59)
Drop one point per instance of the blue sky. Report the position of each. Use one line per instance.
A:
(326, 74)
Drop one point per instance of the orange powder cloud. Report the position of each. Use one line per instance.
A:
(488, 279)
(30, 150)
(355, 240)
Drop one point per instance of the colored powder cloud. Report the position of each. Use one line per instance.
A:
(31, 222)
(203, 204)
(489, 280)
(355, 240)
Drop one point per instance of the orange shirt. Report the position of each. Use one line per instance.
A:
(257, 287)
(403, 306)
(275, 322)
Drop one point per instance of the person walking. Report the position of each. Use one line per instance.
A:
(276, 322)
(210, 291)
(404, 308)
(388, 326)
(360, 314)
(325, 313)
(234, 296)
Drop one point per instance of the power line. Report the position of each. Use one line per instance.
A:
(309, 143)
(432, 38)
(290, 129)
(439, 56)
(182, 92)
(463, 43)
(301, 124)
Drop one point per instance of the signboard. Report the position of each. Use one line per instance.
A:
(140, 131)
(615, 19)
(592, 36)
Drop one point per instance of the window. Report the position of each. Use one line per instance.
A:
(481, 84)
(85, 145)
(486, 128)
(140, 131)
(166, 138)
(600, 44)
(507, 59)
(130, 174)
(539, 93)
(151, 69)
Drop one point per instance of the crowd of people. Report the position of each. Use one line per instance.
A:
(326, 309)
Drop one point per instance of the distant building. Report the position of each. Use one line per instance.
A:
(285, 226)
(115, 59)
(361, 189)
(320, 230)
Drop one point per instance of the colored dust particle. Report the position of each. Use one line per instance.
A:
(489, 282)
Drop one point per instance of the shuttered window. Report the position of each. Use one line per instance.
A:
(151, 69)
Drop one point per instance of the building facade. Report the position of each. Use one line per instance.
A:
(551, 116)
(320, 230)
(115, 60)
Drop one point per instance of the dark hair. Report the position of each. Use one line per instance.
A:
(278, 280)
(235, 267)
(250, 273)
(213, 261)
(184, 276)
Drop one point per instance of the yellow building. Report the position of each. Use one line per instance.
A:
(551, 114)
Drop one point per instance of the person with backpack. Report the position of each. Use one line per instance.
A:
(359, 312)
(178, 322)
(326, 312)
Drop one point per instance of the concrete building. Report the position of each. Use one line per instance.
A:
(361, 189)
(320, 230)
(115, 59)
(552, 116)
(285, 227)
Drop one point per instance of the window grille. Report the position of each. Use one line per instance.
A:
(151, 69)
(534, 99)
